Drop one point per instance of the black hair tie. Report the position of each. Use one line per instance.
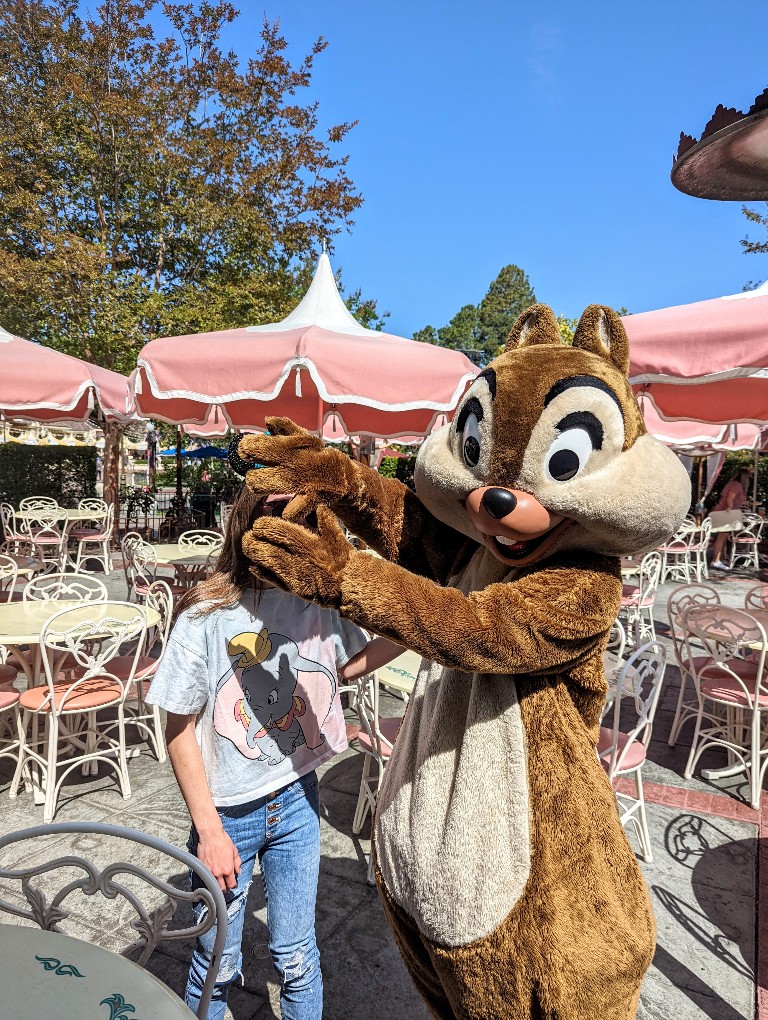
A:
(239, 466)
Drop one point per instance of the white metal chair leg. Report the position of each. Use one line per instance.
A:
(363, 798)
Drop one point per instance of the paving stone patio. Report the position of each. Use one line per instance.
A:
(708, 881)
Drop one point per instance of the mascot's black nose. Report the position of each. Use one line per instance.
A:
(498, 502)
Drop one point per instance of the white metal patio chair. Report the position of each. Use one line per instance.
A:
(88, 637)
(9, 574)
(30, 503)
(48, 533)
(127, 545)
(638, 601)
(146, 718)
(622, 752)
(225, 511)
(93, 542)
(745, 544)
(676, 555)
(65, 588)
(757, 598)
(11, 529)
(201, 539)
(146, 569)
(376, 739)
(699, 549)
(679, 601)
(45, 892)
(732, 692)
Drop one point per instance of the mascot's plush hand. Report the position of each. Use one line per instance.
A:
(296, 461)
(298, 560)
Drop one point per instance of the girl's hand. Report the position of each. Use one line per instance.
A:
(219, 854)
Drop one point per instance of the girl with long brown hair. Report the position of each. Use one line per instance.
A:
(249, 680)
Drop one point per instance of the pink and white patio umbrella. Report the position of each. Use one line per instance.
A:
(43, 385)
(317, 365)
(697, 438)
(706, 361)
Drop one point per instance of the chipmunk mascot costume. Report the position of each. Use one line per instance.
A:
(504, 870)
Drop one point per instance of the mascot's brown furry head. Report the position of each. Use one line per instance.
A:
(548, 450)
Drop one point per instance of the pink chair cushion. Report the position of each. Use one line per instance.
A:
(7, 674)
(8, 699)
(92, 693)
(146, 667)
(176, 589)
(633, 599)
(84, 533)
(389, 728)
(634, 757)
(740, 667)
(728, 689)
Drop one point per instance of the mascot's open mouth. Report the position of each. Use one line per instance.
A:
(520, 552)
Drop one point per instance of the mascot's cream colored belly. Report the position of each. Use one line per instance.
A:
(453, 853)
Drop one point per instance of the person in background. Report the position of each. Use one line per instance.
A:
(249, 680)
(726, 515)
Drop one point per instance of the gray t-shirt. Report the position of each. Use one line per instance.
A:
(262, 679)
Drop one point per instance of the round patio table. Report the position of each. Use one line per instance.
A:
(59, 977)
(180, 555)
(189, 562)
(69, 514)
(21, 624)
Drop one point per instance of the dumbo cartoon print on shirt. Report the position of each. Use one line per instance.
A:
(273, 699)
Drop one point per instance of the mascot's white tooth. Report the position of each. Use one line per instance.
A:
(499, 852)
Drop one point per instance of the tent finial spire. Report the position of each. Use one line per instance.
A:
(325, 247)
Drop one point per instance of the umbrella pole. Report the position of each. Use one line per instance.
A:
(179, 494)
(699, 481)
(754, 480)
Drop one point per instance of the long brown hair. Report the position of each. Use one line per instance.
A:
(231, 576)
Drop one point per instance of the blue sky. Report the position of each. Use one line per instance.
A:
(535, 133)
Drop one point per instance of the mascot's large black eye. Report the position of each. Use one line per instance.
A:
(563, 465)
(470, 448)
(471, 451)
(568, 454)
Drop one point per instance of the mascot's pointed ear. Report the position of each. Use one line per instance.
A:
(536, 325)
(601, 331)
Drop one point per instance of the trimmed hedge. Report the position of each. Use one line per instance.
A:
(67, 473)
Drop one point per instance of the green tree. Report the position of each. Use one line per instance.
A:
(463, 331)
(150, 184)
(567, 328)
(509, 295)
(755, 247)
(427, 335)
(481, 330)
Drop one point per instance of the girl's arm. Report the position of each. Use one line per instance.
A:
(376, 653)
(216, 850)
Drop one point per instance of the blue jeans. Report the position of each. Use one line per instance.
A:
(283, 831)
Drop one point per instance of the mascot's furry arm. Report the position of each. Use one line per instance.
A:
(382, 511)
(559, 614)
